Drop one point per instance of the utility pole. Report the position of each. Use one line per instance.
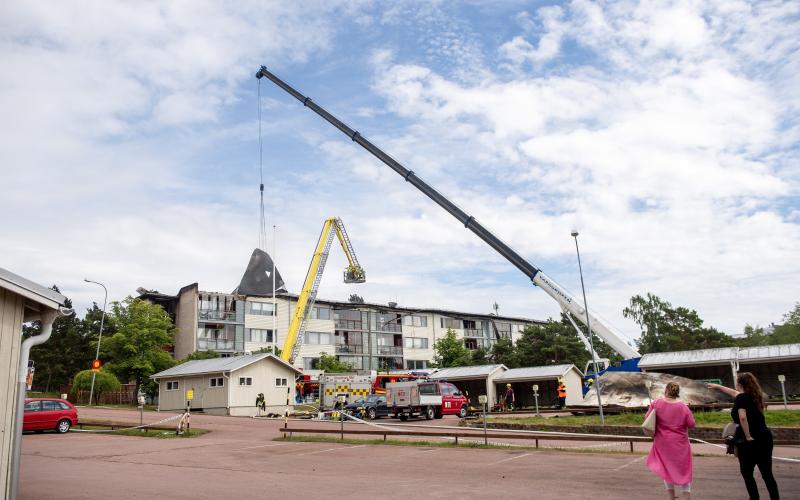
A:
(100, 335)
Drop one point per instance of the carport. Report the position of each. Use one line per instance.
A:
(473, 380)
(546, 377)
(702, 364)
(767, 362)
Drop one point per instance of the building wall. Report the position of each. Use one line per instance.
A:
(574, 383)
(12, 308)
(263, 373)
(186, 323)
(205, 396)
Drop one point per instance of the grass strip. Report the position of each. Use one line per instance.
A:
(152, 433)
(775, 418)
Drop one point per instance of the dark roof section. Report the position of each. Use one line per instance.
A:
(257, 279)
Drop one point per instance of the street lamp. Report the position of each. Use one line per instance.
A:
(589, 327)
(100, 336)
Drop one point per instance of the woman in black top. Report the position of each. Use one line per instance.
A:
(753, 435)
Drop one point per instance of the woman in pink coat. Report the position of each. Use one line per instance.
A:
(671, 455)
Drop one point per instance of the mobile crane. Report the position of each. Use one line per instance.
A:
(353, 273)
(566, 300)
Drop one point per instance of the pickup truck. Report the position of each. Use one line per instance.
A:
(431, 399)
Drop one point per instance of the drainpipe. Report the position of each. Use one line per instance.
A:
(228, 390)
(47, 329)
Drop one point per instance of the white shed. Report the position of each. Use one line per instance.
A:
(546, 378)
(473, 380)
(228, 386)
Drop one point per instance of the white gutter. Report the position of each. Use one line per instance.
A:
(48, 316)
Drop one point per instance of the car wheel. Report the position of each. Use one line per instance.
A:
(462, 413)
(403, 418)
(372, 414)
(429, 413)
(63, 426)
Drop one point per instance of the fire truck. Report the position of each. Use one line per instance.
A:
(429, 399)
(351, 386)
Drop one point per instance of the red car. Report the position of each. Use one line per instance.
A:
(45, 414)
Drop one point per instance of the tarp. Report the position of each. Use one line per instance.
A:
(629, 389)
(257, 279)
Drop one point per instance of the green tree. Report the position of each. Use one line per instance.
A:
(330, 364)
(449, 351)
(789, 331)
(479, 357)
(105, 381)
(268, 350)
(668, 328)
(136, 350)
(503, 352)
(197, 355)
(552, 343)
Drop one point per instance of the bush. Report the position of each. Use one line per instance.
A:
(104, 382)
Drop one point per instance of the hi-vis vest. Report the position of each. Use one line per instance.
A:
(562, 391)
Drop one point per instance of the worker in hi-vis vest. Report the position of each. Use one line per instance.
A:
(562, 394)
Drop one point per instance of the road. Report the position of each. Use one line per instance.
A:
(239, 457)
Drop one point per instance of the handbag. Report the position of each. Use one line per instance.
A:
(733, 438)
(649, 425)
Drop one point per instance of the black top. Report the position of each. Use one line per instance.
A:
(755, 418)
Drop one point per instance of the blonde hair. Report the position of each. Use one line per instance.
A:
(673, 390)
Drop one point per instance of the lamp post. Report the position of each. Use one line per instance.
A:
(589, 327)
(100, 336)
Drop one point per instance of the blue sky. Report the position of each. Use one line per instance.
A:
(666, 132)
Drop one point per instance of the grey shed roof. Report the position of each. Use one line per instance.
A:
(535, 373)
(718, 356)
(465, 372)
(216, 365)
(774, 352)
(31, 290)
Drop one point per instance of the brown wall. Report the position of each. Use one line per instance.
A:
(186, 322)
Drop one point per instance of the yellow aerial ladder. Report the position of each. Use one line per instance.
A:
(305, 302)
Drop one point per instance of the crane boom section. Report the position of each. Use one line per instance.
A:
(603, 330)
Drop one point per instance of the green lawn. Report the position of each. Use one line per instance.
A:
(775, 418)
(153, 433)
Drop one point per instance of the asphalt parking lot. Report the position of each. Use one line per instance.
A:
(240, 457)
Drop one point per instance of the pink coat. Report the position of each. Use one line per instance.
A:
(671, 454)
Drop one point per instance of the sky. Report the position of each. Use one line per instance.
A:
(666, 133)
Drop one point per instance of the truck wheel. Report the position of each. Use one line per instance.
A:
(462, 413)
(403, 417)
(372, 414)
(439, 412)
(429, 413)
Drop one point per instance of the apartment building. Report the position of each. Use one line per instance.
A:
(368, 336)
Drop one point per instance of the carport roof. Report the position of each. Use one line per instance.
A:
(535, 373)
(465, 372)
(769, 352)
(718, 356)
(216, 365)
(31, 290)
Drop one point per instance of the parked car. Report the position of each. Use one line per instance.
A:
(44, 414)
(372, 407)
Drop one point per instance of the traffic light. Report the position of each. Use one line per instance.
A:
(96, 365)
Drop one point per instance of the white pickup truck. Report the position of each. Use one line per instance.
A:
(431, 399)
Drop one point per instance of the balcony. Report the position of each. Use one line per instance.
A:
(349, 349)
(211, 314)
(214, 345)
(473, 332)
(385, 350)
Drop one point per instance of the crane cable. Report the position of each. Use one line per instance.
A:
(262, 228)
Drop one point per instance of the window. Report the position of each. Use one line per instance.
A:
(64, 406)
(471, 344)
(50, 406)
(321, 313)
(310, 363)
(318, 338)
(245, 380)
(413, 320)
(33, 406)
(415, 343)
(260, 336)
(173, 386)
(451, 323)
(429, 389)
(281, 382)
(416, 364)
(217, 382)
(262, 308)
(447, 390)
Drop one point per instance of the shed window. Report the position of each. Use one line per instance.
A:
(173, 386)
(245, 380)
(281, 382)
(217, 382)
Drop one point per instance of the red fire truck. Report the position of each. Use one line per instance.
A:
(431, 399)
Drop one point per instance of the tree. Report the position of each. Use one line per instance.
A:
(330, 364)
(552, 343)
(197, 355)
(668, 328)
(449, 351)
(503, 352)
(479, 357)
(268, 350)
(789, 331)
(136, 350)
(105, 381)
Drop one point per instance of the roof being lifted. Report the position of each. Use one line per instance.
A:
(769, 352)
(535, 373)
(217, 365)
(716, 356)
(465, 372)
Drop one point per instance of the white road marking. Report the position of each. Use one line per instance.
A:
(332, 449)
(631, 462)
(262, 446)
(509, 458)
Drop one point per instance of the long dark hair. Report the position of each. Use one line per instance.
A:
(751, 387)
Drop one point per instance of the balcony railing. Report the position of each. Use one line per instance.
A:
(472, 332)
(215, 345)
(386, 350)
(349, 349)
(390, 327)
(210, 314)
